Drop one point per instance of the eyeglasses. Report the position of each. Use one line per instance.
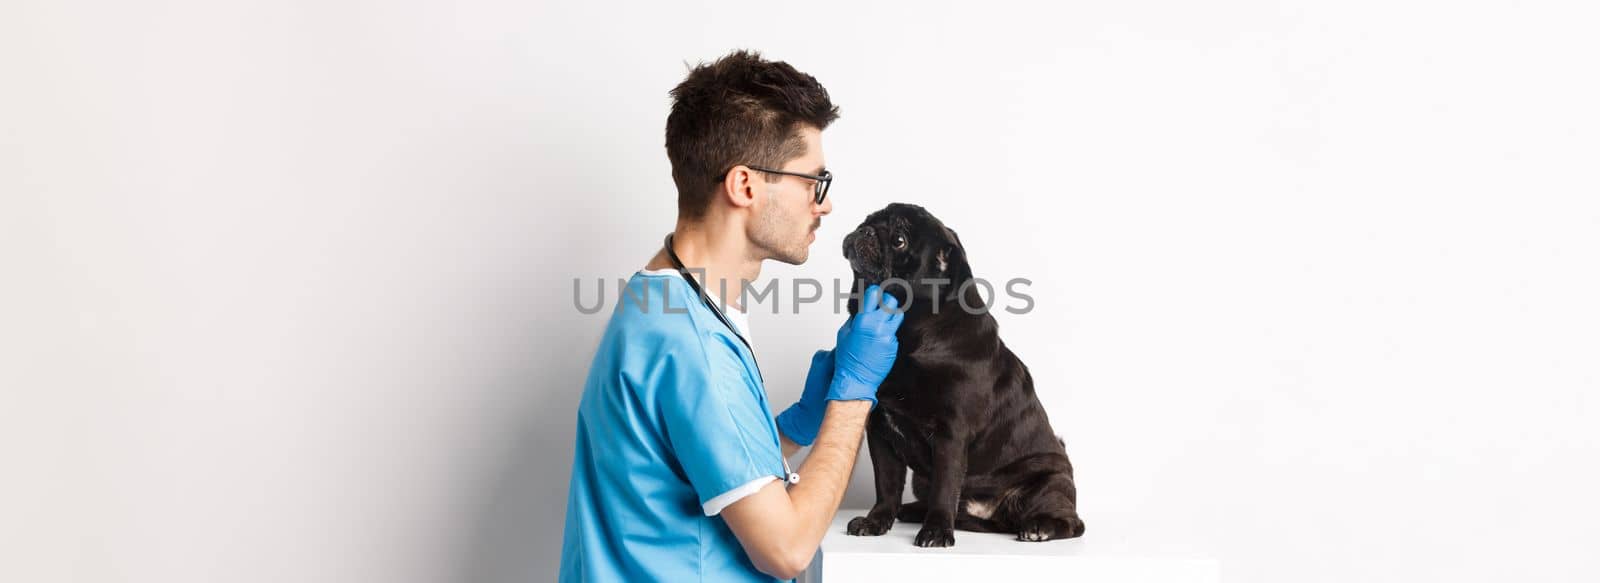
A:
(822, 181)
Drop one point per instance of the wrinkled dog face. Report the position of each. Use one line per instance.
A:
(903, 241)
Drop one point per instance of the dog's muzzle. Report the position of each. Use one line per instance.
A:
(865, 252)
(860, 245)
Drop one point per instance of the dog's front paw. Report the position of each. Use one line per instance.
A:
(1043, 528)
(935, 536)
(868, 526)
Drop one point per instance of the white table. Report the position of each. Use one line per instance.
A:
(1109, 551)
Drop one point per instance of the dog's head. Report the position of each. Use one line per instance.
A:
(905, 242)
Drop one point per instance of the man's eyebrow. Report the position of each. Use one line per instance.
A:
(820, 170)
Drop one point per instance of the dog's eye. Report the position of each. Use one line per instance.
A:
(899, 242)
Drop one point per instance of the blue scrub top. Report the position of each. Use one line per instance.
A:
(673, 416)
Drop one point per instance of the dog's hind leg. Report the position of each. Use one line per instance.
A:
(1051, 511)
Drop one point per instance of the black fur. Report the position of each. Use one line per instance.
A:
(958, 408)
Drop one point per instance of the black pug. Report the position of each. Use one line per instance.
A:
(958, 408)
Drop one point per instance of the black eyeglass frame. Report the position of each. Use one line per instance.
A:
(824, 181)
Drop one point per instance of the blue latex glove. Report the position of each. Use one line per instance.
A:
(867, 347)
(802, 420)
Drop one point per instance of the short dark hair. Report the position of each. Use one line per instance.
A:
(740, 109)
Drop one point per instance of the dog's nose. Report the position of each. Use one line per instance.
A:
(861, 235)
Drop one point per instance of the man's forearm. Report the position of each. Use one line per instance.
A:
(826, 471)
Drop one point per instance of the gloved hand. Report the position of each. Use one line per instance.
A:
(802, 420)
(867, 347)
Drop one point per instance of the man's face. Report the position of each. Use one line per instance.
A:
(787, 216)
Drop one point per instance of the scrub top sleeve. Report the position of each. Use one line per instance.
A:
(715, 425)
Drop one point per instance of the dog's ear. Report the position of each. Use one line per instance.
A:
(951, 246)
(952, 261)
(951, 235)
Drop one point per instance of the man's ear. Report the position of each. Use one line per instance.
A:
(740, 186)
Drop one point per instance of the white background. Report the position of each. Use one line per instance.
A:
(287, 286)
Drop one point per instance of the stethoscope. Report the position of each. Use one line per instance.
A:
(672, 256)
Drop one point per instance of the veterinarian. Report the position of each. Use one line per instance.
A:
(680, 471)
